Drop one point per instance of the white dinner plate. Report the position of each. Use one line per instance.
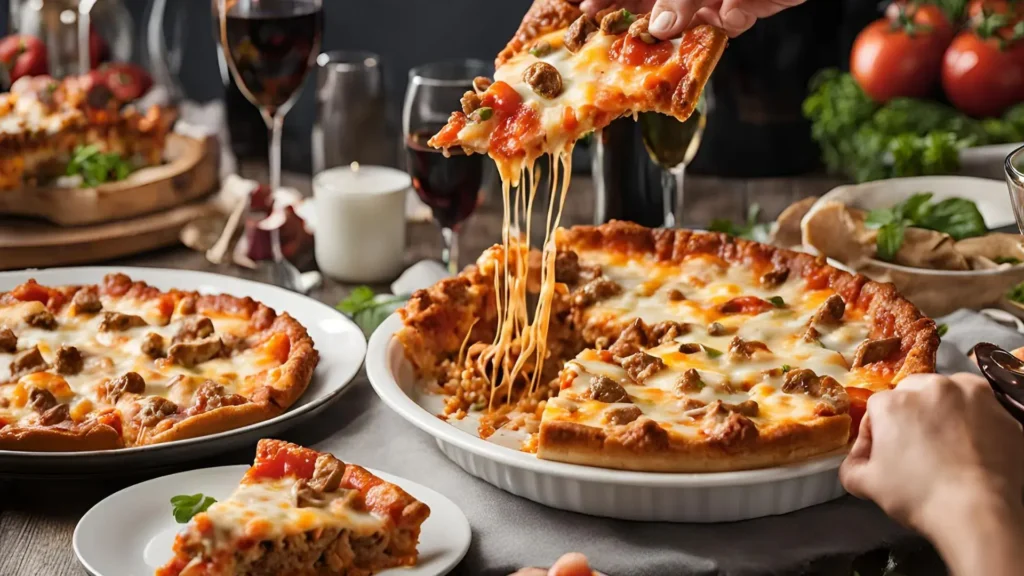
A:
(671, 497)
(130, 533)
(339, 342)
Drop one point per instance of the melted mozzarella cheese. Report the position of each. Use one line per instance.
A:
(108, 355)
(266, 509)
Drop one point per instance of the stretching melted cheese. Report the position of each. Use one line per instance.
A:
(109, 355)
(266, 509)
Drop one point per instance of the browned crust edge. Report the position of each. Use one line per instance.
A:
(269, 401)
(543, 17)
(644, 446)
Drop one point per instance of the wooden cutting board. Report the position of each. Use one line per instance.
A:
(36, 244)
(190, 172)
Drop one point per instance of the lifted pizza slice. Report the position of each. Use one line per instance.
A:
(564, 75)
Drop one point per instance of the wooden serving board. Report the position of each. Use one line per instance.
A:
(35, 244)
(190, 172)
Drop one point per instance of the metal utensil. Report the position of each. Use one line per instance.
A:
(1005, 373)
(220, 248)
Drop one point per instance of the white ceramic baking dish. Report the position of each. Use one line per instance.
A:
(712, 497)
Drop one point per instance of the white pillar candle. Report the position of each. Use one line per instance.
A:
(360, 222)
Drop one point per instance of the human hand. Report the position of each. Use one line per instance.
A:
(670, 17)
(571, 564)
(943, 457)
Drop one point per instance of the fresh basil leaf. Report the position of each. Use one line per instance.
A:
(356, 300)
(1006, 260)
(958, 217)
(879, 217)
(777, 301)
(724, 226)
(185, 506)
(786, 368)
(889, 240)
(942, 329)
(915, 208)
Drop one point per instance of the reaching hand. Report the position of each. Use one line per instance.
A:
(572, 564)
(943, 457)
(670, 17)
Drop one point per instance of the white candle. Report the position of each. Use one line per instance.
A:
(360, 222)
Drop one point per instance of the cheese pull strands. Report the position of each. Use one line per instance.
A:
(519, 347)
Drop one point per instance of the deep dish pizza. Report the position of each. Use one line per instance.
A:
(564, 75)
(299, 511)
(669, 350)
(123, 364)
(43, 120)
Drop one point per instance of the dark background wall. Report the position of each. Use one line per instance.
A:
(760, 81)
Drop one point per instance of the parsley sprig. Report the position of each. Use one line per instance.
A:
(185, 506)
(368, 309)
(751, 229)
(97, 167)
(957, 217)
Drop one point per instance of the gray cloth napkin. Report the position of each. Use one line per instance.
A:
(511, 532)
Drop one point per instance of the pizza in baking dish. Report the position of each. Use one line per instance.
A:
(564, 75)
(299, 511)
(123, 364)
(667, 350)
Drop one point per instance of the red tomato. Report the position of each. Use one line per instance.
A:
(127, 82)
(902, 55)
(98, 49)
(23, 55)
(502, 98)
(981, 77)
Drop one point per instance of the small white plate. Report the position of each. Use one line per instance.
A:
(130, 533)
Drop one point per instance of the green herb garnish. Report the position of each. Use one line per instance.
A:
(185, 507)
(777, 301)
(367, 309)
(96, 167)
(942, 329)
(483, 114)
(1006, 260)
(865, 140)
(786, 368)
(751, 229)
(711, 352)
(957, 217)
(540, 49)
(623, 24)
(1016, 293)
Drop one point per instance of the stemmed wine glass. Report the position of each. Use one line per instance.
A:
(449, 185)
(269, 46)
(672, 144)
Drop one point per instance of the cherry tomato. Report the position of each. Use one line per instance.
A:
(901, 55)
(127, 82)
(983, 76)
(23, 55)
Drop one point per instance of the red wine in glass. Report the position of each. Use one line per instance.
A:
(271, 48)
(450, 186)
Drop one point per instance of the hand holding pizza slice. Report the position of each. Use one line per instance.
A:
(565, 74)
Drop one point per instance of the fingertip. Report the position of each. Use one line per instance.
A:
(663, 23)
(571, 564)
(737, 21)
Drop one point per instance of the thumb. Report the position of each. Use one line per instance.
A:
(572, 564)
(670, 17)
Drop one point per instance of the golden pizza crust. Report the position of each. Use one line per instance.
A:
(643, 446)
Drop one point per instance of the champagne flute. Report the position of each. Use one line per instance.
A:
(269, 46)
(449, 184)
(672, 144)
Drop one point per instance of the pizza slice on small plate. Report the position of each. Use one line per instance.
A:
(299, 511)
(564, 75)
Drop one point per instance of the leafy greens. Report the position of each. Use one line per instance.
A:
(904, 137)
(369, 310)
(751, 229)
(97, 167)
(957, 217)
